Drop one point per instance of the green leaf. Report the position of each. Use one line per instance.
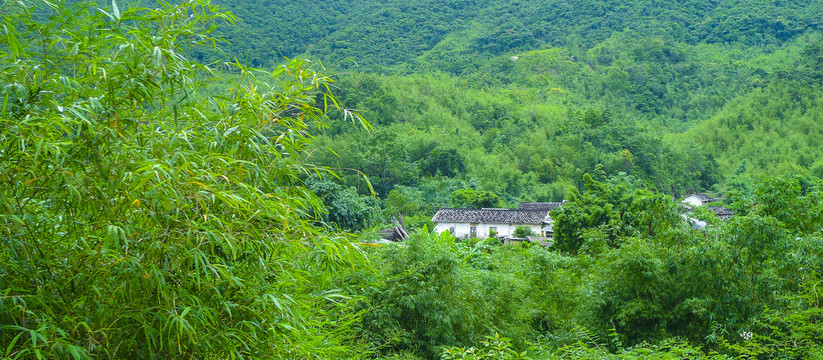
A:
(115, 10)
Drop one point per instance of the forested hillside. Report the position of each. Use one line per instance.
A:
(522, 98)
(685, 118)
(165, 194)
(452, 35)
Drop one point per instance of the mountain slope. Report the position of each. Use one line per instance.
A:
(388, 33)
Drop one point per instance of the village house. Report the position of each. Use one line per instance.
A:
(480, 223)
(700, 199)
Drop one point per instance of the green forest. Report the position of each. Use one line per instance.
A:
(208, 179)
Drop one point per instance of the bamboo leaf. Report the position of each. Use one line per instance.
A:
(115, 10)
(110, 16)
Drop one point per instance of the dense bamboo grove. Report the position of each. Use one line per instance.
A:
(141, 220)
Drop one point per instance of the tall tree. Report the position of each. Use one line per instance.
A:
(613, 210)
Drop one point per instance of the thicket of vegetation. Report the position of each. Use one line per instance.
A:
(142, 220)
(153, 206)
(744, 288)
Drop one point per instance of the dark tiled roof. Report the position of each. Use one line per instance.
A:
(539, 205)
(721, 212)
(491, 216)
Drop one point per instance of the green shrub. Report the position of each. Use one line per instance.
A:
(492, 348)
(433, 292)
(522, 231)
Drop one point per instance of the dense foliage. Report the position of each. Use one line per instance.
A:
(521, 99)
(345, 208)
(458, 36)
(715, 118)
(141, 221)
(492, 96)
(741, 288)
(157, 201)
(606, 214)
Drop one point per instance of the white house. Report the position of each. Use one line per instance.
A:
(700, 199)
(479, 223)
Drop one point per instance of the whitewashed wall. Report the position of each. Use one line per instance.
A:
(463, 230)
